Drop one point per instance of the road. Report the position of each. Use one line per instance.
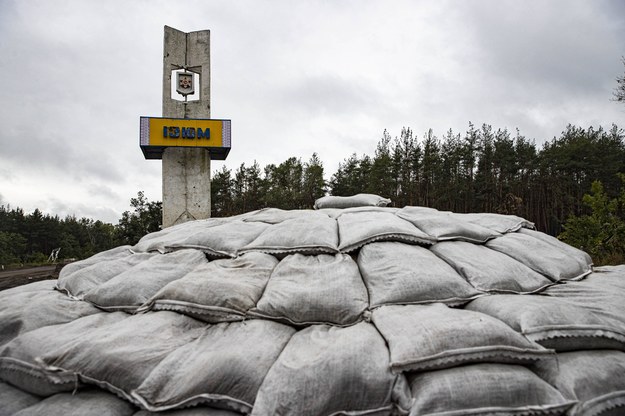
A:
(18, 277)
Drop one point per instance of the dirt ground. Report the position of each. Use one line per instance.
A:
(18, 277)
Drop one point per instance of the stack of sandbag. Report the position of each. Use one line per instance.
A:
(364, 310)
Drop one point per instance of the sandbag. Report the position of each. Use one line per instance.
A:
(120, 356)
(83, 280)
(554, 322)
(194, 411)
(222, 240)
(314, 289)
(359, 228)
(158, 240)
(39, 286)
(224, 367)
(133, 287)
(500, 223)
(444, 226)
(602, 294)
(25, 311)
(313, 233)
(489, 270)
(13, 399)
(359, 200)
(580, 256)
(425, 337)
(397, 273)
(219, 291)
(595, 378)
(84, 403)
(484, 389)
(276, 215)
(545, 258)
(112, 254)
(326, 370)
(19, 359)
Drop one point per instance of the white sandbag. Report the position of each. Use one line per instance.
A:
(133, 287)
(277, 215)
(545, 258)
(223, 240)
(13, 399)
(327, 370)
(314, 289)
(194, 411)
(610, 275)
(359, 200)
(224, 367)
(19, 359)
(84, 403)
(25, 311)
(222, 290)
(580, 256)
(337, 212)
(497, 222)
(595, 378)
(313, 233)
(397, 273)
(444, 226)
(426, 337)
(81, 281)
(554, 322)
(602, 294)
(489, 270)
(359, 228)
(112, 254)
(485, 389)
(39, 286)
(157, 241)
(120, 356)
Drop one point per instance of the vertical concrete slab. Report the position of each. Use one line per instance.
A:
(186, 171)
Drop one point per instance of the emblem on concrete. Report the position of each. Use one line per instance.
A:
(184, 83)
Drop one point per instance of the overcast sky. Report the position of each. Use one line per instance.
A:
(295, 77)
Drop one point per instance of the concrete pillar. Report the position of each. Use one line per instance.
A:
(186, 171)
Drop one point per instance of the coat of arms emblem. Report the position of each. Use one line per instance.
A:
(184, 83)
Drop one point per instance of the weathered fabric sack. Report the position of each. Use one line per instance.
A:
(485, 389)
(224, 367)
(360, 228)
(19, 359)
(581, 257)
(277, 215)
(444, 226)
(314, 289)
(359, 200)
(157, 241)
(595, 378)
(489, 270)
(460, 337)
(194, 411)
(112, 254)
(314, 233)
(502, 224)
(25, 311)
(219, 291)
(83, 280)
(223, 240)
(553, 322)
(86, 403)
(133, 287)
(13, 399)
(337, 212)
(120, 356)
(545, 258)
(326, 370)
(397, 273)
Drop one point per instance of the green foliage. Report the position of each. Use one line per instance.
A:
(602, 232)
(145, 218)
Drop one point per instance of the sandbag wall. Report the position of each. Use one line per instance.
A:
(360, 311)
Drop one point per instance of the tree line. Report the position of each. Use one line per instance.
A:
(480, 170)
